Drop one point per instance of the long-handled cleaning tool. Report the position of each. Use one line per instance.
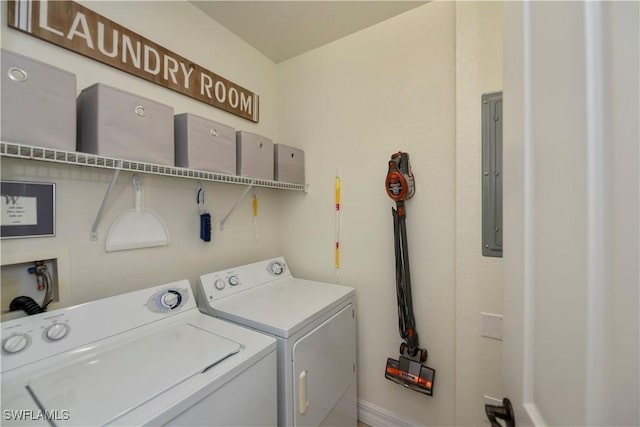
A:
(254, 205)
(337, 249)
(409, 370)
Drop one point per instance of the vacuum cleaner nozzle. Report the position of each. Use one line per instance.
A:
(411, 374)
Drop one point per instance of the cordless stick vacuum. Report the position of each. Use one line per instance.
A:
(409, 370)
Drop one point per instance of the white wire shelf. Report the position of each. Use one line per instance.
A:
(28, 152)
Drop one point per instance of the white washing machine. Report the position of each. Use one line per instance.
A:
(144, 358)
(315, 327)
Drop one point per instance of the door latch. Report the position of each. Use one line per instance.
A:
(504, 412)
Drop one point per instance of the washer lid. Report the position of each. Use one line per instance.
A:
(104, 386)
(281, 307)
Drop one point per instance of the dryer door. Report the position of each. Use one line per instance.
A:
(324, 370)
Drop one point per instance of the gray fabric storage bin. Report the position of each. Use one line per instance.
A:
(204, 144)
(289, 164)
(38, 105)
(254, 155)
(116, 123)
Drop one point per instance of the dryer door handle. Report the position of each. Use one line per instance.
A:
(303, 402)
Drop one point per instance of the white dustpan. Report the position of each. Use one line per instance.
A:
(138, 227)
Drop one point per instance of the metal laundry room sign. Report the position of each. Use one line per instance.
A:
(81, 30)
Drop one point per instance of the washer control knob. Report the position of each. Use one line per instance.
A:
(57, 331)
(276, 268)
(15, 343)
(219, 284)
(170, 299)
(234, 281)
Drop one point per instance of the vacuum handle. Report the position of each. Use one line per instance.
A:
(303, 403)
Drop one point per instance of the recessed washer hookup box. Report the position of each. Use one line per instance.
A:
(116, 123)
(289, 164)
(204, 144)
(38, 103)
(254, 156)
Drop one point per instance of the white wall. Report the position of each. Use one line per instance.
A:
(478, 279)
(412, 83)
(350, 105)
(184, 29)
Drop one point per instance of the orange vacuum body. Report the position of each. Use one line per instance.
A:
(399, 183)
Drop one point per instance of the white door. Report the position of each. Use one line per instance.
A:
(571, 212)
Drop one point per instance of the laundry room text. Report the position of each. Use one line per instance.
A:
(83, 31)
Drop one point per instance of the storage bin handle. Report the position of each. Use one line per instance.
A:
(140, 111)
(17, 74)
(214, 132)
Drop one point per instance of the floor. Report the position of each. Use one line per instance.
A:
(361, 424)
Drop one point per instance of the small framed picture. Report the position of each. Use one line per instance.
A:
(28, 209)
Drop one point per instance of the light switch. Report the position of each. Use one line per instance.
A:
(491, 325)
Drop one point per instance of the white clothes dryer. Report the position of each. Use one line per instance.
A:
(315, 327)
(143, 358)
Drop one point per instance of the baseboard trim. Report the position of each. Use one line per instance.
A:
(376, 416)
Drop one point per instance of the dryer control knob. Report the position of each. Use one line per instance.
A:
(15, 343)
(57, 331)
(219, 284)
(234, 281)
(276, 268)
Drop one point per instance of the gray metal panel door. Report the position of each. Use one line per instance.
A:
(492, 174)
